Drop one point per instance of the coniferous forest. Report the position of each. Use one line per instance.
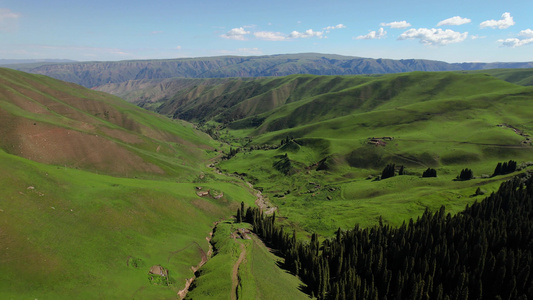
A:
(484, 252)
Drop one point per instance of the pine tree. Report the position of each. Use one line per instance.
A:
(389, 171)
(430, 173)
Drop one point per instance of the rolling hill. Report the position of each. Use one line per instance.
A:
(311, 142)
(93, 74)
(96, 192)
(64, 124)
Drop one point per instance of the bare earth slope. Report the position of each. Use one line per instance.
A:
(64, 124)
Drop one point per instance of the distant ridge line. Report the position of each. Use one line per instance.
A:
(94, 74)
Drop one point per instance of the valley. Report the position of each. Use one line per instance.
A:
(97, 190)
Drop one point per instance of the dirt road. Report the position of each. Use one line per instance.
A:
(235, 273)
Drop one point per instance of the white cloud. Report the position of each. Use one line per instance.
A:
(236, 34)
(526, 37)
(8, 20)
(396, 24)
(6, 14)
(475, 37)
(270, 36)
(306, 34)
(515, 42)
(454, 21)
(339, 26)
(241, 33)
(434, 37)
(178, 47)
(372, 35)
(505, 22)
(528, 33)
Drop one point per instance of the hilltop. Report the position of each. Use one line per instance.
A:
(93, 74)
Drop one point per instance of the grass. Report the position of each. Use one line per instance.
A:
(71, 234)
(442, 120)
(259, 276)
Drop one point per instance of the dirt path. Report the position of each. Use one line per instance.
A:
(261, 202)
(205, 257)
(235, 273)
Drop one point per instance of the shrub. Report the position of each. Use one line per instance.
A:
(430, 173)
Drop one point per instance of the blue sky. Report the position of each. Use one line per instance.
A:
(452, 31)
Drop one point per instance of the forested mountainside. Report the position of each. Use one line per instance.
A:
(92, 74)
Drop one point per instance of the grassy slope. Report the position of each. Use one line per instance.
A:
(73, 234)
(64, 124)
(518, 76)
(442, 120)
(67, 229)
(259, 276)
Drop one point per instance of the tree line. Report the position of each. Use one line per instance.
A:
(486, 251)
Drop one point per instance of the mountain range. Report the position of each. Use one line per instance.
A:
(93, 74)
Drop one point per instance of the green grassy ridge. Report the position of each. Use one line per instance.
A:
(385, 92)
(173, 146)
(259, 276)
(293, 100)
(450, 126)
(38, 83)
(518, 76)
(508, 106)
(236, 98)
(69, 233)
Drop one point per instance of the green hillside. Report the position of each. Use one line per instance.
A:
(73, 234)
(58, 123)
(322, 163)
(96, 191)
(522, 76)
(321, 175)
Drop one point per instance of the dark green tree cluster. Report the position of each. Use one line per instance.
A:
(283, 164)
(430, 173)
(485, 252)
(232, 152)
(389, 171)
(286, 140)
(505, 168)
(466, 174)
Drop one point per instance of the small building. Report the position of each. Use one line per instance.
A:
(158, 270)
(202, 193)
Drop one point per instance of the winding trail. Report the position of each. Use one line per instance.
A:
(205, 257)
(261, 201)
(235, 273)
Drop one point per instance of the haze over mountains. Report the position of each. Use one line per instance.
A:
(93, 74)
